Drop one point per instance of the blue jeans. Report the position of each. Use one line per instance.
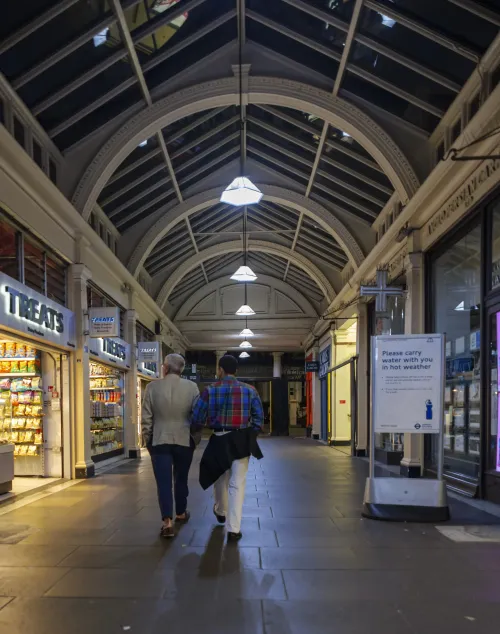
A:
(171, 462)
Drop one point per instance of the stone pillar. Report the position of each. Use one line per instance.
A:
(79, 276)
(363, 375)
(130, 422)
(413, 460)
(316, 399)
(277, 365)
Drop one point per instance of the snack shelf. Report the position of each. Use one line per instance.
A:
(106, 388)
(19, 374)
(18, 358)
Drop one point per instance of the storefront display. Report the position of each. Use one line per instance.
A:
(456, 274)
(106, 411)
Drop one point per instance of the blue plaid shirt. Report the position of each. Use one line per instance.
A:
(228, 405)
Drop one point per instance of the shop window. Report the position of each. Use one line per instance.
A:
(53, 171)
(37, 153)
(19, 132)
(495, 246)
(9, 253)
(495, 77)
(34, 267)
(108, 238)
(456, 309)
(93, 221)
(56, 280)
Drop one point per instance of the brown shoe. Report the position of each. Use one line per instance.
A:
(167, 532)
(183, 519)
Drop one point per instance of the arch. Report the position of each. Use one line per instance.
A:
(278, 284)
(261, 246)
(261, 90)
(180, 212)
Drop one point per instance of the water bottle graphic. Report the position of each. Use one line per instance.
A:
(428, 410)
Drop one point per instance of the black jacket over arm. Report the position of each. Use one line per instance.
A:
(222, 451)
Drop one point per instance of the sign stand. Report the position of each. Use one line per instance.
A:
(408, 381)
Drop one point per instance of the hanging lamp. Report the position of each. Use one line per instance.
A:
(246, 332)
(245, 344)
(244, 273)
(241, 191)
(244, 355)
(245, 310)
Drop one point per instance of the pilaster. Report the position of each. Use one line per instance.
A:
(363, 375)
(131, 422)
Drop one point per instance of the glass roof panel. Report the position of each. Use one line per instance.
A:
(424, 50)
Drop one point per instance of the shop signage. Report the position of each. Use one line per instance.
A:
(148, 352)
(480, 182)
(324, 362)
(407, 380)
(104, 322)
(33, 314)
(312, 366)
(112, 350)
(293, 372)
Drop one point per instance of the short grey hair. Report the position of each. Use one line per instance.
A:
(175, 362)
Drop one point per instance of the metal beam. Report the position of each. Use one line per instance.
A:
(294, 243)
(69, 48)
(432, 34)
(326, 175)
(479, 10)
(138, 197)
(193, 240)
(35, 24)
(131, 185)
(204, 137)
(134, 59)
(336, 146)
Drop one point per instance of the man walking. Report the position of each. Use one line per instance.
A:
(233, 410)
(166, 420)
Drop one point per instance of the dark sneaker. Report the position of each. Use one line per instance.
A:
(183, 519)
(234, 537)
(167, 532)
(220, 518)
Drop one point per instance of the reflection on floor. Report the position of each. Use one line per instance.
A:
(22, 486)
(88, 559)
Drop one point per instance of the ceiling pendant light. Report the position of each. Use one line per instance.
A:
(245, 344)
(246, 332)
(244, 274)
(241, 191)
(244, 355)
(245, 310)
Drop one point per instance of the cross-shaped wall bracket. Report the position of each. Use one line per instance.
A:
(381, 291)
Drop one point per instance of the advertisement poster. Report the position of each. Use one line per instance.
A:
(408, 383)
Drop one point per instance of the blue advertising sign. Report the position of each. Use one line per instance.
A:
(324, 361)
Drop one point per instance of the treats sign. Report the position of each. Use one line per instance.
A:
(25, 310)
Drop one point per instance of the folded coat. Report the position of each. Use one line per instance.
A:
(223, 450)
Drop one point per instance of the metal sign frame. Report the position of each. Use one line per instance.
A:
(406, 499)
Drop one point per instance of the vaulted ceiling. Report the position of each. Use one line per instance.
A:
(94, 72)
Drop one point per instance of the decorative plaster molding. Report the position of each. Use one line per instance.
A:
(262, 90)
(179, 212)
(254, 245)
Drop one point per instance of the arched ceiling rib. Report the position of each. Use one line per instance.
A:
(255, 246)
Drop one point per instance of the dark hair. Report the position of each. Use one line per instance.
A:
(229, 364)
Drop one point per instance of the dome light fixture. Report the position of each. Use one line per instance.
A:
(245, 344)
(244, 355)
(244, 274)
(241, 192)
(245, 310)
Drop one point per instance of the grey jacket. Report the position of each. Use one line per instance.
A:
(166, 411)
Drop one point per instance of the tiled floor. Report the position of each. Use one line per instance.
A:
(88, 559)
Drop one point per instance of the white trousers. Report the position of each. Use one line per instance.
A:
(229, 492)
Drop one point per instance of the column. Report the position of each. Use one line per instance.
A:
(316, 398)
(413, 459)
(130, 422)
(363, 375)
(277, 365)
(79, 275)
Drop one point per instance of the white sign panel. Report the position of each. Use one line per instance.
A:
(408, 383)
(104, 322)
(35, 315)
(148, 352)
(114, 350)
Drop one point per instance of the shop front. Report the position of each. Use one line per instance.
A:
(148, 369)
(37, 337)
(109, 364)
(463, 286)
(324, 376)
